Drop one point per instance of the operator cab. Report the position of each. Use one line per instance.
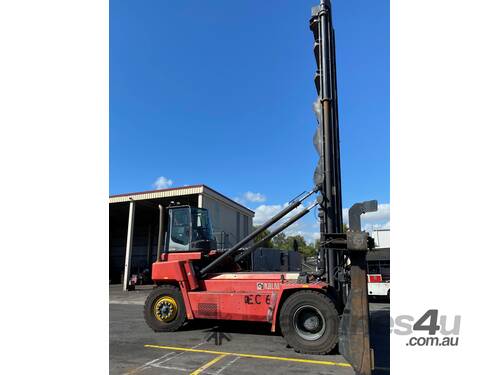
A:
(189, 230)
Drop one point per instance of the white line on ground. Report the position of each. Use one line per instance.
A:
(226, 366)
(164, 358)
(148, 364)
(114, 302)
(160, 363)
(173, 368)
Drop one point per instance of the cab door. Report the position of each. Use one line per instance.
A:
(179, 233)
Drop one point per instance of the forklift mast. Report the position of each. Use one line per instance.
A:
(341, 267)
(342, 255)
(326, 138)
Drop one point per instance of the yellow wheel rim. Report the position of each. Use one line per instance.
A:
(165, 309)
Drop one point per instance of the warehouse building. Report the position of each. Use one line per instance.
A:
(133, 225)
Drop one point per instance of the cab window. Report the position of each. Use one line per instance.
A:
(180, 226)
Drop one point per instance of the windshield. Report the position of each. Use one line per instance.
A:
(202, 230)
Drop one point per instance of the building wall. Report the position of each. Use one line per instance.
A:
(382, 237)
(226, 219)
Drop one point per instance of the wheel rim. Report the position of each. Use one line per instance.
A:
(309, 322)
(165, 309)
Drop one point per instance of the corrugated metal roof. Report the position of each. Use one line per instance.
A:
(153, 194)
(176, 192)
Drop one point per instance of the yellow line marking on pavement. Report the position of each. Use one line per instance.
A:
(207, 365)
(312, 361)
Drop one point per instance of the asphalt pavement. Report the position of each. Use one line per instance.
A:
(214, 347)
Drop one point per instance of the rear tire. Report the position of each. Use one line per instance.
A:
(309, 322)
(164, 309)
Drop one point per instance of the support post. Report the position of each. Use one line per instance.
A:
(130, 239)
(149, 250)
(161, 232)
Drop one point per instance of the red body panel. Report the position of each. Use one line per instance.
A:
(180, 256)
(250, 296)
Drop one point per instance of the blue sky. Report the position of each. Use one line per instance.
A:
(220, 93)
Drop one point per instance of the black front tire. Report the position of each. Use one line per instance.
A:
(179, 317)
(311, 303)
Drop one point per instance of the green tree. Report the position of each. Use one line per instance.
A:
(284, 242)
(280, 241)
(268, 243)
(305, 248)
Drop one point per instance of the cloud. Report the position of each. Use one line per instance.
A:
(250, 197)
(310, 231)
(162, 183)
(373, 220)
(383, 214)
(254, 197)
(307, 228)
(264, 212)
(370, 227)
